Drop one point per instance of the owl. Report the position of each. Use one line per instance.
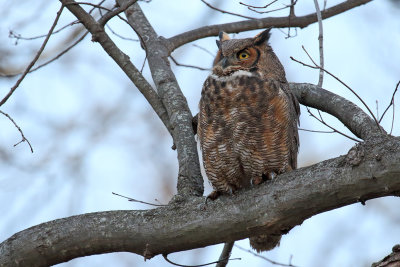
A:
(248, 119)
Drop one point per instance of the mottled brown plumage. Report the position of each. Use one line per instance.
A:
(248, 119)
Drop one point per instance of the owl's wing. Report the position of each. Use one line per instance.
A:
(294, 108)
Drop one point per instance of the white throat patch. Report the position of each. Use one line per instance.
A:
(232, 76)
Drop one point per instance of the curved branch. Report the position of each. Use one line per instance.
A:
(248, 25)
(273, 207)
(353, 117)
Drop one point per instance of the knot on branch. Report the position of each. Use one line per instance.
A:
(355, 155)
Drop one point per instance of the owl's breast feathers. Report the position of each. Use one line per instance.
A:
(247, 128)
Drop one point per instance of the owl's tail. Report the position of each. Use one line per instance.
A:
(264, 242)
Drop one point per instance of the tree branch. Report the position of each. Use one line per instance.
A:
(248, 25)
(281, 204)
(353, 117)
(123, 61)
(190, 181)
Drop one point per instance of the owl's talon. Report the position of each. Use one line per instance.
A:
(213, 196)
(256, 181)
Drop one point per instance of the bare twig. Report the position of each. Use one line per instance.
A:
(225, 12)
(205, 50)
(321, 44)
(315, 131)
(253, 8)
(139, 201)
(109, 15)
(188, 66)
(18, 37)
(12, 90)
(264, 258)
(144, 63)
(321, 120)
(51, 60)
(200, 265)
(250, 6)
(20, 131)
(120, 36)
(103, 20)
(225, 254)
(340, 81)
(391, 103)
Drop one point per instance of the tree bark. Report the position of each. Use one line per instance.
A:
(391, 260)
(273, 207)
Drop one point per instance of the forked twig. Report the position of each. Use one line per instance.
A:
(200, 265)
(225, 12)
(250, 6)
(321, 120)
(185, 65)
(12, 90)
(253, 8)
(390, 104)
(139, 201)
(20, 131)
(109, 15)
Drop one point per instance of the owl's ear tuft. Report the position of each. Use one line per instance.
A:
(223, 36)
(218, 44)
(262, 37)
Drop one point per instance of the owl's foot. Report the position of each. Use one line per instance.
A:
(257, 180)
(264, 177)
(213, 195)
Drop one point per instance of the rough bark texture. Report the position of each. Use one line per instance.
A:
(273, 207)
(190, 181)
(392, 260)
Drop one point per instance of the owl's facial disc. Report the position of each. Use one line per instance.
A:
(244, 59)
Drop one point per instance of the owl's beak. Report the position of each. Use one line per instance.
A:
(224, 62)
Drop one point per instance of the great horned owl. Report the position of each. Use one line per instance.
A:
(247, 124)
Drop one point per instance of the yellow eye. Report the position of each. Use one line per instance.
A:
(243, 55)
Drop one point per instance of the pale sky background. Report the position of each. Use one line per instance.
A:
(93, 133)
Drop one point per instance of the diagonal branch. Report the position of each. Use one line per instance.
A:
(123, 61)
(273, 207)
(248, 25)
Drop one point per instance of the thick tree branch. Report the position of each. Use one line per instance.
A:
(248, 25)
(123, 61)
(391, 260)
(190, 181)
(353, 117)
(273, 207)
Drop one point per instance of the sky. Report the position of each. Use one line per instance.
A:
(94, 134)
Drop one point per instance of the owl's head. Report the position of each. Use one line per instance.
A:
(249, 54)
